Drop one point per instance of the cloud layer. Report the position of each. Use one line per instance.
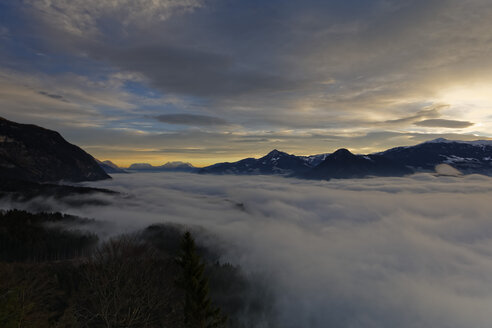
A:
(382, 252)
(190, 119)
(340, 68)
(444, 123)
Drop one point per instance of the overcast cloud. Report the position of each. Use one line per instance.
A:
(190, 119)
(339, 68)
(382, 252)
(444, 123)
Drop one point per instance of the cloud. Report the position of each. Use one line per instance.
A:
(4, 32)
(193, 150)
(427, 112)
(191, 119)
(83, 17)
(335, 69)
(382, 252)
(195, 72)
(376, 59)
(72, 100)
(441, 123)
(54, 96)
(252, 139)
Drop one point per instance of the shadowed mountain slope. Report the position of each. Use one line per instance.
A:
(342, 164)
(275, 162)
(466, 156)
(31, 153)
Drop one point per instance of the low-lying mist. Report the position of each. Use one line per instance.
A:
(381, 252)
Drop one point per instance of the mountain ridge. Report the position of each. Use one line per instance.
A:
(343, 164)
(33, 153)
(466, 156)
(175, 166)
(275, 162)
(110, 167)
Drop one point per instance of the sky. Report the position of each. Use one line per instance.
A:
(405, 252)
(205, 81)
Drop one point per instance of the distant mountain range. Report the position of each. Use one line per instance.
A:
(110, 167)
(342, 164)
(32, 153)
(168, 167)
(275, 162)
(466, 156)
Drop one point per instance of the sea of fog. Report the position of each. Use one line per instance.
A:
(380, 252)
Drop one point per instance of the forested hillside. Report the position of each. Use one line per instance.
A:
(55, 272)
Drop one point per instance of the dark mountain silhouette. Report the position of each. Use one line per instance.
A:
(168, 167)
(342, 164)
(109, 167)
(275, 162)
(31, 153)
(466, 156)
(314, 160)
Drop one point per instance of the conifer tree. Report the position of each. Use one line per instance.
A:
(199, 312)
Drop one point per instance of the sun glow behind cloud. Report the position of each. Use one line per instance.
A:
(235, 79)
(473, 101)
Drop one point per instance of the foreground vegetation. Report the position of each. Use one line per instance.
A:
(55, 273)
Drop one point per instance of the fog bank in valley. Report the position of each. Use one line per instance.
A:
(381, 252)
